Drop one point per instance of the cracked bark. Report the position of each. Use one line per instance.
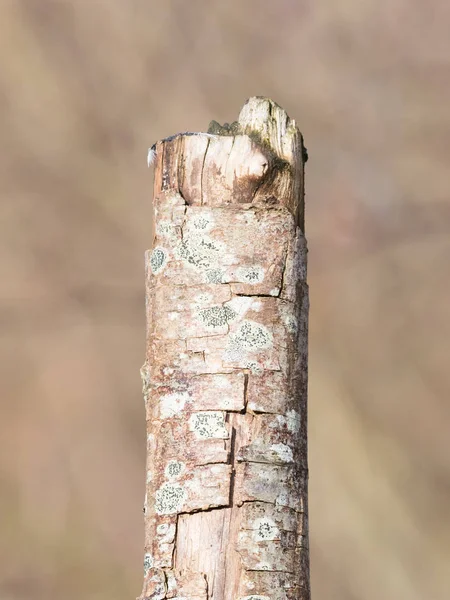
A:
(225, 376)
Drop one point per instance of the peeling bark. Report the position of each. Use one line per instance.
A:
(225, 376)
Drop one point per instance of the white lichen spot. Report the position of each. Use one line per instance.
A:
(256, 305)
(173, 315)
(291, 421)
(158, 259)
(214, 276)
(241, 304)
(148, 563)
(253, 274)
(201, 252)
(208, 424)
(291, 324)
(149, 477)
(254, 597)
(172, 404)
(253, 336)
(168, 370)
(282, 499)
(283, 452)
(169, 498)
(174, 469)
(274, 291)
(216, 316)
(234, 351)
(265, 529)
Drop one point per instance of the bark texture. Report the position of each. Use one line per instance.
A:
(225, 376)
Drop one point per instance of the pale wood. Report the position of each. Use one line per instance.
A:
(225, 377)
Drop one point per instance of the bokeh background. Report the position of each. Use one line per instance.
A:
(85, 88)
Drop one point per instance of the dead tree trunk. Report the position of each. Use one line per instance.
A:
(225, 376)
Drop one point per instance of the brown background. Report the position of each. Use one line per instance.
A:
(85, 88)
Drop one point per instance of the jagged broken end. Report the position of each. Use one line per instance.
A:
(258, 160)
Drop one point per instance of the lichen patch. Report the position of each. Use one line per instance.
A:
(291, 420)
(234, 351)
(158, 259)
(216, 316)
(202, 222)
(169, 499)
(214, 276)
(283, 452)
(208, 424)
(200, 252)
(174, 469)
(252, 274)
(251, 335)
(265, 529)
(148, 562)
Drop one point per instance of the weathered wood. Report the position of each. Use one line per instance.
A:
(225, 376)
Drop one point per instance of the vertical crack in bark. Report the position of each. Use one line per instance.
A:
(180, 166)
(232, 460)
(283, 272)
(246, 376)
(229, 154)
(202, 173)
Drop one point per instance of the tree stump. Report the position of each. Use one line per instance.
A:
(225, 376)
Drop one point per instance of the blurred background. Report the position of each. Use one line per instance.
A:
(85, 88)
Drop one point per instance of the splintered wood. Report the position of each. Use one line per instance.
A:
(225, 376)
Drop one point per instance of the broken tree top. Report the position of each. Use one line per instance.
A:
(259, 158)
